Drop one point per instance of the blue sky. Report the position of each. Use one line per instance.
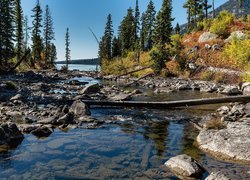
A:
(79, 15)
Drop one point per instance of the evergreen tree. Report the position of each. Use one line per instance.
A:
(36, 33)
(7, 35)
(162, 34)
(163, 26)
(177, 29)
(143, 32)
(26, 32)
(53, 54)
(107, 39)
(127, 31)
(149, 21)
(19, 29)
(116, 47)
(137, 23)
(48, 34)
(67, 43)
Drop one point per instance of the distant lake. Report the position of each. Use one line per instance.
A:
(80, 67)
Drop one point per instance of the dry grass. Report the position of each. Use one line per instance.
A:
(215, 124)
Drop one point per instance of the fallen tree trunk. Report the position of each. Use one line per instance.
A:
(169, 104)
(127, 73)
(131, 83)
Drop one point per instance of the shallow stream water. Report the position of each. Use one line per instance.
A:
(134, 145)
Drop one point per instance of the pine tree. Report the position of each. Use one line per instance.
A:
(126, 32)
(48, 34)
(116, 47)
(162, 34)
(143, 32)
(137, 22)
(163, 26)
(213, 9)
(36, 33)
(108, 36)
(26, 32)
(147, 26)
(7, 35)
(19, 29)
(53, 54)
(177, 29)
(67, 43)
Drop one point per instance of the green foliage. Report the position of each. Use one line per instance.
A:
(7, 35)
(48, 37)
(206, 76)
(105, 46)
(127, 32)
(19, 28)
(67, 43)
(37, 44)
(159, 56)
(176, 41)
(64, 69)
(237, 51)
(163, 24)
(10, 85)
(221, 24)
(148, 19)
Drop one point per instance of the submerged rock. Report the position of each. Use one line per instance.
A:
(43, 131)
(231, 90)
(9, 134)
(185, 166)
(231, 143)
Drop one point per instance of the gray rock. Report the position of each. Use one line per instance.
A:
(185, 166)
(207, 46)
(182, 87)
(91, 89)
(9, 134)
(79, 108)
(232, 142)
(207, 36)
(238, 110)
(49, 120)
(216, 47)
(223, 110)
(217, 176)
(238, 35)
(17, 97)
(231, 90)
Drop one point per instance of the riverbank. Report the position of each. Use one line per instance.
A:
(40, 103)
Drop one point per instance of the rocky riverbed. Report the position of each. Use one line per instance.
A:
(41, 103)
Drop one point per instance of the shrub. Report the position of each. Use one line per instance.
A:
(221, 24)
(237, 52)
(206, 76)
(174, 68)
(10, 85)
(176, 44)
(215, 124)
(64, 69)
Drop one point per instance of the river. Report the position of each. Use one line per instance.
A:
(134, 145)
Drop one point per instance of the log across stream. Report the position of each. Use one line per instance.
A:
(169, 104)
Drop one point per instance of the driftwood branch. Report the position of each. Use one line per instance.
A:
(169, 104)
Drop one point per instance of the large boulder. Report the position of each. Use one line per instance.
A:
(10, 134)
(207, 36)
(185, 166)
(230, 143)
(238, 35)
(91, 89)
(79, 108)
